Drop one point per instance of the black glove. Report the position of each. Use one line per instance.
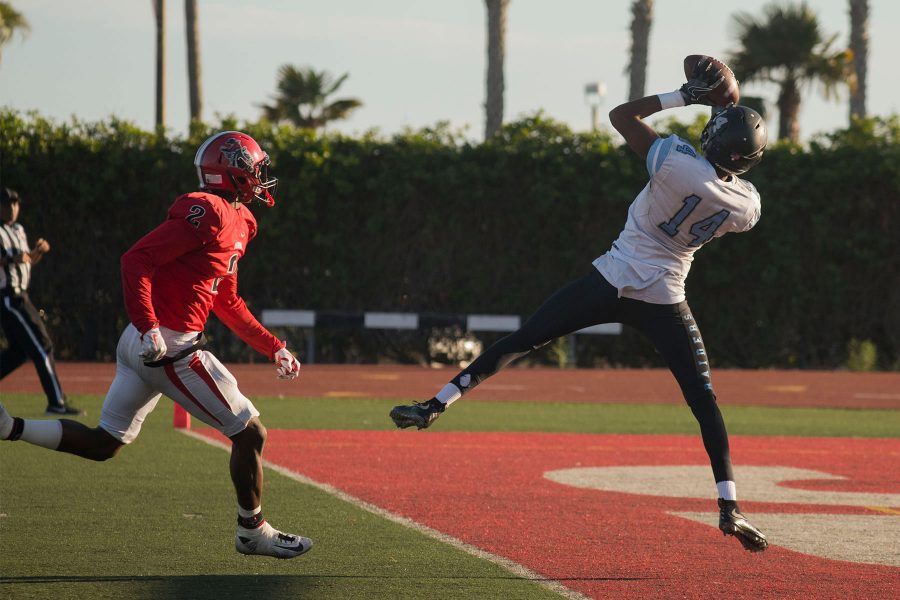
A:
(705, 78)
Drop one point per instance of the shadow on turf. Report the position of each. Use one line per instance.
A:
(213, 586)
(203, 580)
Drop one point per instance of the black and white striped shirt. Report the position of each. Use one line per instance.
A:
(15, 276)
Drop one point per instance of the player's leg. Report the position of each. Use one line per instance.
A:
(676, 335)
(246, 464)
(581, 303)
(254, 534)
(63, 435)
(129, 400)
(206, 389)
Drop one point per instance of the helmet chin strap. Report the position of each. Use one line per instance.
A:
(265, 197)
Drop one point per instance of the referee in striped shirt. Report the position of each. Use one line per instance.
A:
(23, 326)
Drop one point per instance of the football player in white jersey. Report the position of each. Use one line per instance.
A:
(691, 198)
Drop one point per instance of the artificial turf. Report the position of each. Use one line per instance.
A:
(157, 521)
(357, 413)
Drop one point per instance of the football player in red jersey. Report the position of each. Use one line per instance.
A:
(172, 278)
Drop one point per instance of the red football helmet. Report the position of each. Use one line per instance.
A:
(233, 162)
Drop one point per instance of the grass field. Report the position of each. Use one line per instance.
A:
(157, 521)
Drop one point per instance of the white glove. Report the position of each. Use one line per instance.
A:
(286, 364)
(153, 346)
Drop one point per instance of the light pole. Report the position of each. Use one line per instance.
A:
(594, 93)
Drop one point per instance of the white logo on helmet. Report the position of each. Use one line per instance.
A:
(213, 178)
(719, 122)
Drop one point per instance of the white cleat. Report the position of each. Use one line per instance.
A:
(265, 540)
(6, 423)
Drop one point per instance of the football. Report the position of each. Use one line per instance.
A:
(727, 93)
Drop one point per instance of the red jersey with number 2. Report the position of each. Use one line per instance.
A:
(177, 273)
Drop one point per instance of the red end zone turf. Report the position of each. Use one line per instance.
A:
(492, 490)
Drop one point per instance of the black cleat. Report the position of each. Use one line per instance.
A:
(64, 410)
(420, 414)
(732, 522)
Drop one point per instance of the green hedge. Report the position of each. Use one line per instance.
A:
(427, 222)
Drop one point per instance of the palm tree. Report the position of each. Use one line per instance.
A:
(193, 58)
(787, 47)
(159, 9)
(11, 22)
(642, 19)
(859, 47)
(496, 55)
(302, 98)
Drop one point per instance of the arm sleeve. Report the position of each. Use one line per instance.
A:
(162, 245)
(233, 312)
(658, 153)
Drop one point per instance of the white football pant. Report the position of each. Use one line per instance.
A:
(198, 382)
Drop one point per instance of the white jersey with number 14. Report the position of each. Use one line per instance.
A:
(684, 205)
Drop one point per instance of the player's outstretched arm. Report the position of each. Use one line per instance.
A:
(628, 120)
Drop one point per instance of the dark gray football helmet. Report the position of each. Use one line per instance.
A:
(734, 139)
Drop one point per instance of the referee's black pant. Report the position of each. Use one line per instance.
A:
(591, 300)
(27, 337)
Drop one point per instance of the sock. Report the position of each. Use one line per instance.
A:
(40, 432)
(17, 425)
(449, 394)
(727, 490)
(250, 519)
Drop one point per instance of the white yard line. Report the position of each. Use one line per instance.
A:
(513, 567)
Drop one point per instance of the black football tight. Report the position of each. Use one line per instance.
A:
(591, 300)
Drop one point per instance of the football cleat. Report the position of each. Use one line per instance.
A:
(265, 540)
(6, 423)
(732, 522)
(65, 410)
(420, 414)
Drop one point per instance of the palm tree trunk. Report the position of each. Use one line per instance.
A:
(859, 45)
(159, 7)
(496, 55)
(789, 111)
(193, 57)
(642, 19)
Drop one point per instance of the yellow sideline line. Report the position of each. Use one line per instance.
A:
(884, 509)
(789, 389)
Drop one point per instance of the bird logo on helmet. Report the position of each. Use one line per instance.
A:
(234, 166)
(734, 139)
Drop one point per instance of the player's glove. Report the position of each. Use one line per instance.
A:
(153, 346)
(286, 364)
(705, 78)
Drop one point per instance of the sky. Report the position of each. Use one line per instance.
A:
(413, 63)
